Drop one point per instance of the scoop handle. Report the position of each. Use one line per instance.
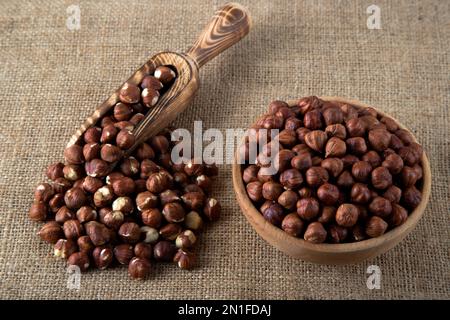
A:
(228, 25)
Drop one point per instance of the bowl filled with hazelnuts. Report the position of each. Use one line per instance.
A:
(332, 180)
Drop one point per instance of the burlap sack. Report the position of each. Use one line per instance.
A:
(52, 78)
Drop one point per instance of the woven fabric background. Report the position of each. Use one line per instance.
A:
(52, 78)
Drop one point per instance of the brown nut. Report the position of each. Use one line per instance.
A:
(380, 207)
(276, 105)
(123, 253)
(64, 248)
(79, 259)
(316, 140)
(271, 190)
(398, 215)
(148, 167)
(146, 200)
(56, 202)
(333, 115)
(194, 200)
(152, 217)
(91, 151)
(376, 227)
(360, 193)
(335, 147)
(75, 198)
(91, 184)
(290, 179)
(38, 211)
(313, 120)
(170, 231)
(184, 259)
(74, 154)
(98, 233)
(193, 221)
(254, 191)
(379, 139)
(308, 208)
(64, 214)
(349, 160)
(409, 176)
(164, 251)
(306, 104)
(292, 224)
(73, 229)
(123, 186)
(129, 93)
(113, 219)
(103, 196)
(373, 158)
(292, 123)
(144, 151)
(393, 194)
(411, 197)
(336, 130)
(347, 215)
(109, 134)
(61, 185)
(274, 214)
(333, 165)
(73, 172)
(409, 155)
(328, 215)
(185, 240)
(102, 257)
(164, 74)
(51, 232)
(361, 171)
(356, 145)
(143, 250)
(381, 178)
(151, 82)
(173, 212)
(92, 135)
(328, 194)
(139, 268)
(55, 171)
(337, 234)
(302, 161)
(125, 139)
(129, 232)
(301, 133)
(130, 166)
(355, 127)
(316, 176)
(158, 182)
(315, 233)
(86, 213)
(288, 199)
(97, 168)
(250, 174)
(160, 143)
(111, 153)
(345, 180)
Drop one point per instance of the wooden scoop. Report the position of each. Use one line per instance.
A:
(229, 25)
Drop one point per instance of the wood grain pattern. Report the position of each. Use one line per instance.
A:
(229, 25)
(347, 253)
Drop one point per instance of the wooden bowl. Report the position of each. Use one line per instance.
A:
(346, 253)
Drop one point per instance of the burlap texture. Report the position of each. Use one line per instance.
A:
(52, 78)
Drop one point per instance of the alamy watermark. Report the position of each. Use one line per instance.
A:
(73, 21)
(374, 19)
(374, 279)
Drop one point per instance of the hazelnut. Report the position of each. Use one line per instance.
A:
(307, 208)
(328, 194)
(292, 224)
(390, 123)
(103, 196)
(125, 139)
(106, 121)
(123, 253)
(274, 214)
(64, 248)
(301, 133)
(123, 204)
(151, 82)
(327, 215)
(393, 194)
(146, 200)
(316, 140)
(309, 103)
(419, 171)
(152, 217)
(345, 180)
(86, 213)
(349, 112)
(79, 259)
(271, 190)
(184, 259)
(173, 212)
(250, 174)
(405, 136)
(123, 186)
(373, 158)
(102, 257)
(305, 192)
(51, 232)
(380, 207)
(266, 174)
(396, 143)
(72, 229)
(92, 135)
(143, 250)
(129, 93)
(158, 182)
(75, 198)
(332, 116)
(111, 153)
(285, 113)
(398, 215)
(356, 145)
(316, 161)
(379, 139)
(316, 176)
(273, 122)
(361, 171)
(313, 120)
(138, 117)
(411, 197)
(355, 127)
(349, 160)
(170, 231)
(38, 211)
(288, 199)
(148, 167)
(254, 191)
(381, 178)
(113, 219)
(110, 178)
(276, 105)
(160, 143)
(129, 232)
(164, 74)
(336, 130)
(73, 172)
(287, 138)
(185, 240)
(55, 171)
(61, 185)
(97, 168)
(139, 268)
(333, 165)
(74, 154)
(140, 185)
(150, 97)
(337, 234)
(164, 251)
(212, 209)
(360, 193)
(144, 151)
(91, 184)
(78, 184)
(204, 182)
(91, 151)
(97, 232)
(302, 161)
(292, 123)
(347, 215)
(315, 233)
(149, 234)
(193, 168)
(410, 155)
(375, 227)
(193, 221)
(335, 147)
(193, 200)
(109, 134)
(64, 214)
(180, 178)
(290, 179)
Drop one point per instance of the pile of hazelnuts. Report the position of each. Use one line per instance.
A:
(104, 208)
(342, 173)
